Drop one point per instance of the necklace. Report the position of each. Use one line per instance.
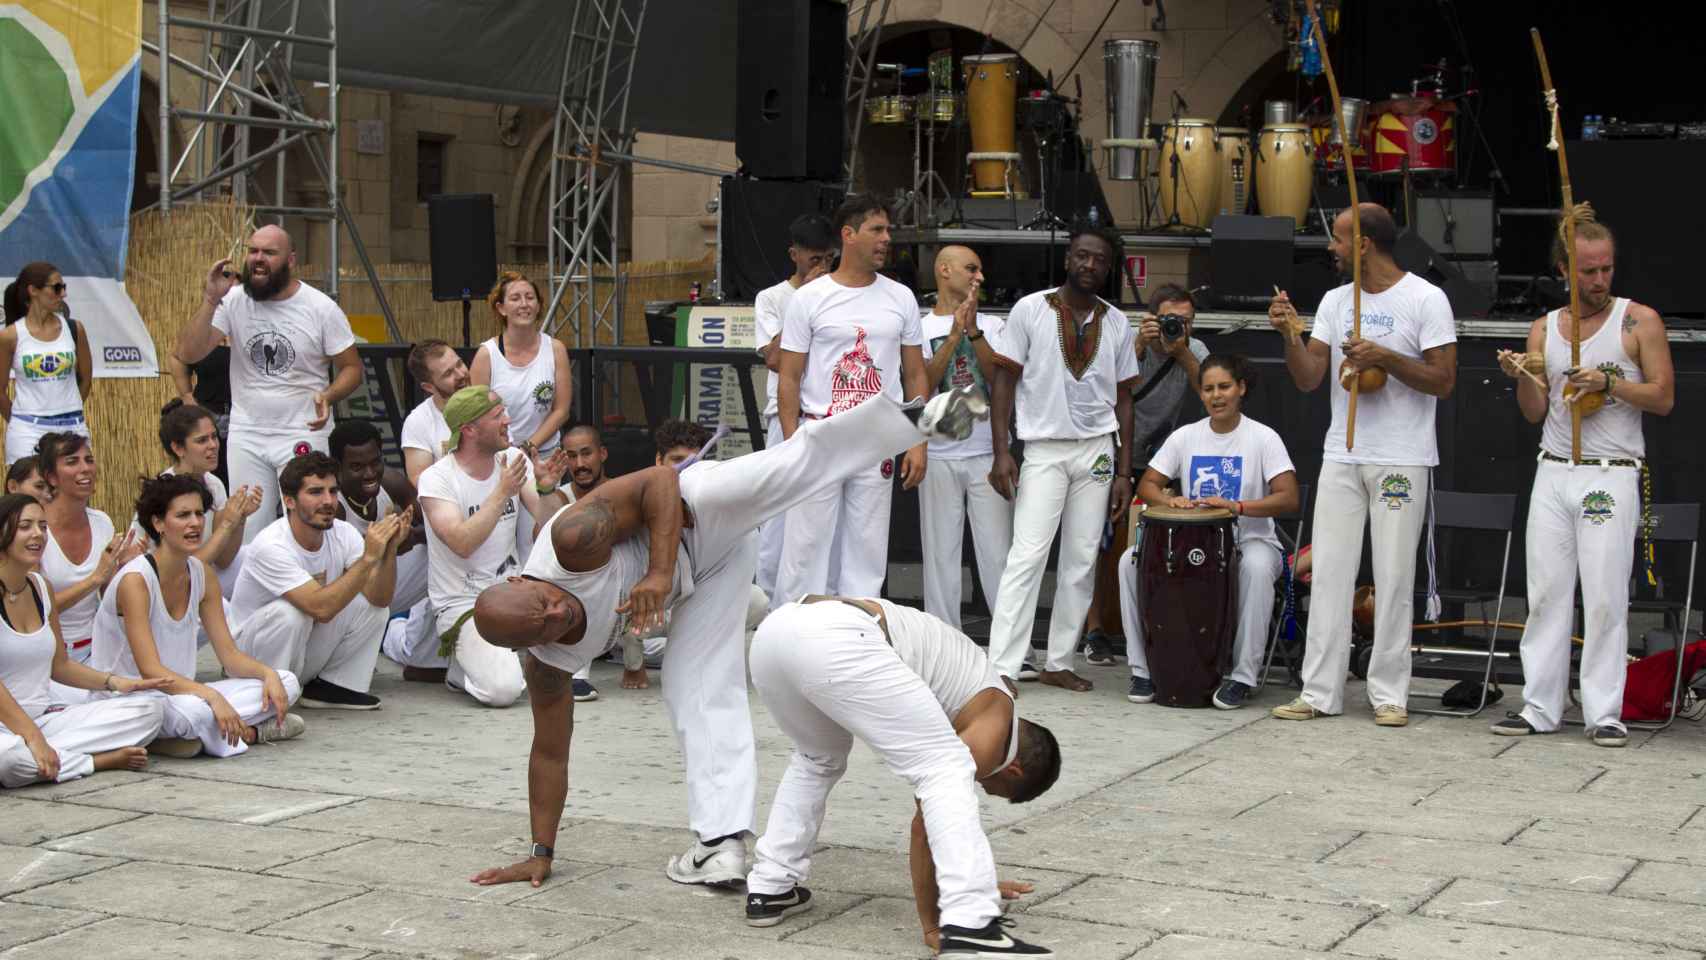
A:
(361, 508)
(11, 594)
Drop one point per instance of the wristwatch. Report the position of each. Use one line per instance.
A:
(540, 850)
(975, 336)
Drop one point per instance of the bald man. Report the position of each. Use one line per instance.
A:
(956, 482)
(284, 336)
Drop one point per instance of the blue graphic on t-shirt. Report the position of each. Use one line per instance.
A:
(1215, 477)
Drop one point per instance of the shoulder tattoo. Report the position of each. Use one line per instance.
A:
(590, 526)
(544, 680)
(1628, 321)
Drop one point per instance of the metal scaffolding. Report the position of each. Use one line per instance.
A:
(589, 144)
(861, 61)
(248, 50)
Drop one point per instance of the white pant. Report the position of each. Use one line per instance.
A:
(837, 540)
(1393, 500)
(1259, 565)
(770, 531)
(827, 675)
(413, 642)
(1060, 486)
(488, 673)
(1581, 518)
(257, 459)
(78, 732)
(342, 651)
(950, 490)
(411, 585)
(22, 436)
(228, 576)
(190, 718)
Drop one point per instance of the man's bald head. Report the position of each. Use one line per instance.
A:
(520, 613)
(272, 237)
(958, 269)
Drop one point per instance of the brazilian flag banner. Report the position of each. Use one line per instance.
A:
(70, 76)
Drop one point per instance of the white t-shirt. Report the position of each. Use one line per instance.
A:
(1395, 424)
(425, 429)
(1236, 466)
(281, 354)
(962, 369)
(454, 582)
(77, 622)
(1052, 401)
(275, 564)
(851, 337)
(768, 310)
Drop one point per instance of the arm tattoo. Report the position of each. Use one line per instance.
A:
(543, 680)
(591, 527)
(1628, 321)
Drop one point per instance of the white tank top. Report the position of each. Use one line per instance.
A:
(77, 622)
(174, 640)
(26, 659)
(527, 392)
(359, 522)
(44, 373)
(1613, 432)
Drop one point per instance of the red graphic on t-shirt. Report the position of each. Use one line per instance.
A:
(961, 374)
(855, 378)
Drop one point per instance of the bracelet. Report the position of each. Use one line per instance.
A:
(975, 336)
(1240, 507)
(545, 491)
(1612, 374)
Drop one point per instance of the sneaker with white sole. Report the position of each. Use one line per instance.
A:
(1231, 695)
(583, 690)
(720, 865)
(278, 731)
(1299, 709)
(1099, 650)
(1693, 706)
(1028, 671)
(951, 415)
(1142, 690)
(318, 694)
(769, 909)
(1391, 715)
(1608, 735)
(991, 940)
(1513, 725)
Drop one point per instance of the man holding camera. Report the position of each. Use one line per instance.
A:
(1168, 357)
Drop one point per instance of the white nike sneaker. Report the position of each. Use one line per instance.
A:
(990, 941)
(723, 865)
(951, 415)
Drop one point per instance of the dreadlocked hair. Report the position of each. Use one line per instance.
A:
(1587, 227)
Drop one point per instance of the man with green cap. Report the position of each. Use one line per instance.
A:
(472, 499)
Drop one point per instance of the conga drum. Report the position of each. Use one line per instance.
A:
(1187, 581)
(1190, 172)
(1235, 171)
(1413, 132)
(992, 91)
(1285, 175)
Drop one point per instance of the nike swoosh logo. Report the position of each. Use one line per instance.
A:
(979, 942)
(699, 864)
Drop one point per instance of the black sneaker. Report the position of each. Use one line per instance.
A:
(1028, 670)
(1142, 690)
(769, 909)
(325, 695)
(1609, 736)
(1513, 725)
(584, 690)
(1231, 695)
(991, 940)
(1099, 650)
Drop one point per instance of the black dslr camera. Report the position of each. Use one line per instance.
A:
(1172, 326)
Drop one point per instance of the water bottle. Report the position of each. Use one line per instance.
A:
(1095, 216)
(1590, 127)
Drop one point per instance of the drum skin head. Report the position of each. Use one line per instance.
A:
(1187, 514)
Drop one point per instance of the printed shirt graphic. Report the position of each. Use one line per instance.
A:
(962, 370)
(1216, 477)
(52, 365)
(855, 378)
(852, 339)
(1235, 466)
(281, 355)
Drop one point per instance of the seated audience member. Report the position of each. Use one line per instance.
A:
(137, 633)
(440, 371)
(313, 595)
(82, 553)
(44, 360)
(190, 436)
(24, 476)
(1230, 461)
(43, 738)
(472, 500)
(677, 441)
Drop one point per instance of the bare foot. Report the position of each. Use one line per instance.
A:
(124, 758)
(424, 674)
(635, 679)
(1065, 679)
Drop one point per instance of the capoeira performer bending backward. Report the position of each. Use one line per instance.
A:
(928, 701)
(1584, 516)
(654, 541)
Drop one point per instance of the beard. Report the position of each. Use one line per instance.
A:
(275, 283)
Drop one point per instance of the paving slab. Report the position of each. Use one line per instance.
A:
(627, 893)
(1183, 946)
(889, 926)
(1394, 890)
(882, 874)
(1681, 883)
(1583, 914)
(1584, 872)
(388, 921)
(24, 867)
(680, 943)
(420, 823)
(134, 939)
(1270, 769)
(1345, 812)
(213, 800)
(104, 780)
(197, 896)
(1095, 838)
(206, 843)
(27, 822)
(1204, 913)
(1643, 784)
(422, 868)
(1671, 846)
(1183, 798)
(22, 923)
(1478, 799)
(1425, 938)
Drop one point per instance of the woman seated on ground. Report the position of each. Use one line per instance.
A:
(42, 736)
(148, 622)
(1229, 461)
(82, 553)
(24, 476)
(190, 437)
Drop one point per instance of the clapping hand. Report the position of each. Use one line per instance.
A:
(549, 471)
(512, 475)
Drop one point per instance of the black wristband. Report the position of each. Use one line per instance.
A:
(541, 850)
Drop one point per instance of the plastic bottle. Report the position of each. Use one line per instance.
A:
(1590, 127)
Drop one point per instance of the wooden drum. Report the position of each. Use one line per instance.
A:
(1285, 173)
(1190, 187)
(992, 91)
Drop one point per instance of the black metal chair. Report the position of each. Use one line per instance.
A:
(1289, 546)
(1486, 512)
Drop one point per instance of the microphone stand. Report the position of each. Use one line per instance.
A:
(1173, 160)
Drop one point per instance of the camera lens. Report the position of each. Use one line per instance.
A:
(1172, 326)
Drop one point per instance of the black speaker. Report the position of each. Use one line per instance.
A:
(1415, 255)
(462, 232)
(790, 59)
(1249, 257)
(756, 215)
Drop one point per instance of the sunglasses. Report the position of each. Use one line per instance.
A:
(58, 288)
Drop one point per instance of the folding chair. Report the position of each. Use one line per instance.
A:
(1289, 546)
(1492, 512)
(1672, 523)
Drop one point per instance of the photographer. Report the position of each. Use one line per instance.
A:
(1168, 357)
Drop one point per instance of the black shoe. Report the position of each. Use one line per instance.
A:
(1231, 695)
(583, 690)
(1513, 725)
(769, 909)
(325, 695)
(1099, 650)
(989, 941)
(1142, 690)
(1028, 670)
(1608, 736)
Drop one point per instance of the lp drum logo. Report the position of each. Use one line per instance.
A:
(1426, 132)
(1196, 557)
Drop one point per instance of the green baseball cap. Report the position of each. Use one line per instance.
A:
(467, 405)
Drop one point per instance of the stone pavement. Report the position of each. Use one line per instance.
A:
(1172, 834)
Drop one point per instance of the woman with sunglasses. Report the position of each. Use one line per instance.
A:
(46, 356)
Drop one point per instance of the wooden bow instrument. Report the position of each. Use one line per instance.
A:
(1556, 145)
(1356, 217)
